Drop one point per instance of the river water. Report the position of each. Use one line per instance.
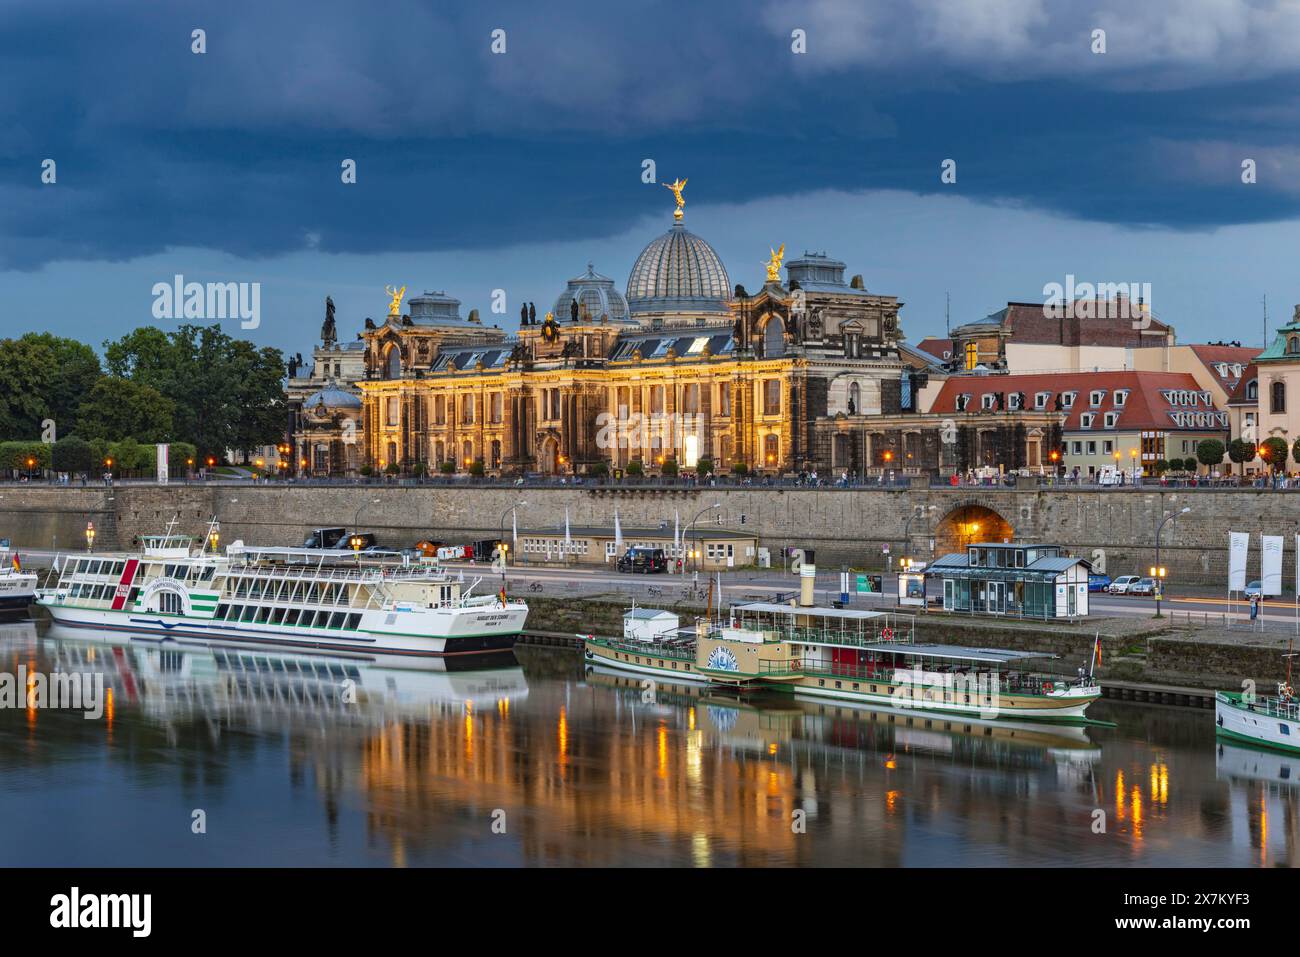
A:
(208, 756)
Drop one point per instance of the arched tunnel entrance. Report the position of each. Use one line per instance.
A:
(967, 524)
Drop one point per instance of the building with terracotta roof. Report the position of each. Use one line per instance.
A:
(1278, 385)
(1106, 418)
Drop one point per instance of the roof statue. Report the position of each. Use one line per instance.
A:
(328, 331)
(677, 188)
(395, 295)
(774, 264)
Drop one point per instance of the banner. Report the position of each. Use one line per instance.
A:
(1270, 564)
(162, 464)
(1238, 545)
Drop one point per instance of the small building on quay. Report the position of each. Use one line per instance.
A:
(718, 548)
(1015, 579)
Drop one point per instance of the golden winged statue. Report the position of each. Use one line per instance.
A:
(395, 295)
(677, 187)
(774, 264)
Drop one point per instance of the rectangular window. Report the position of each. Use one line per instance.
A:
(724, 398)
(771, 396)
(394, 410)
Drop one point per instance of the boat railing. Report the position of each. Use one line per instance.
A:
(683, 651)
(1273, 707)
(1017, 682)
(780, 668)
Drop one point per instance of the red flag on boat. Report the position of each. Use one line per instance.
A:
(1096, 650)
(18, 566)
(502, 596)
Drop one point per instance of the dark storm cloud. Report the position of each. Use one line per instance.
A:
(239, 149)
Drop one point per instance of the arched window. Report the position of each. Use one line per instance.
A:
(771, 451)
(773, 338)
(1293, 345)
(855, 399)
(393, 363)
(972, 355)
(1277, 391)
(468, 450)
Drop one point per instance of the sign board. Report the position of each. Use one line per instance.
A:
(162, 463)
(870, 584)
(911, 589)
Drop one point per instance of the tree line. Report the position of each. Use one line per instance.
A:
(195, 387)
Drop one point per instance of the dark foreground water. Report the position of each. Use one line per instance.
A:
(526, 760)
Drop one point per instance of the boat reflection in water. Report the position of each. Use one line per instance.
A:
(168, 682)
(528, 758)
(1265, 798)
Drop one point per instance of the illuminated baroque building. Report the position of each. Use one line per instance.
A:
(806, 373)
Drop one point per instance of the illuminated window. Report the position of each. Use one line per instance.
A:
(972, 355)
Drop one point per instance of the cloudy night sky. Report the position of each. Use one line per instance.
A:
(478, 171)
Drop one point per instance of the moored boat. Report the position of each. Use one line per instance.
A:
(866, 657)
(1269, 720)
(306, 599)
(17, 587)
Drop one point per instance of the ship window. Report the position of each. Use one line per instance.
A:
(1283, 728)
(354, 620)
(259, 615)
(249, 611)
(291, 616)
(221, 611)
(337, 619)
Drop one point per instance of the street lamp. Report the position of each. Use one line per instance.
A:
(1160, 585)
(90, 536)
(501, 526)
(214, 536)
(357, 517)
(692, 528)
(907, 537)
(1133, 455)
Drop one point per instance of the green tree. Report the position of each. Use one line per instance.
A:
(704, 467)
(669, 468)
(1241, 452)
(1273, 451)
(45, 378)
(24, 456)
(116, 408)
(72, 453)
(1210, 453)
(228, 393)
(1161, 466)
(1189, 464)
(635, 468)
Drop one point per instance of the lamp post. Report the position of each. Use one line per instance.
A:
(1133, 455)
(214, 536)
(692, 528)
(357, 517)
(907, 537)
(90, 536)
(501, 526)
(1160, 584)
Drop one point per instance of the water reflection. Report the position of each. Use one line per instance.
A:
(530, 759)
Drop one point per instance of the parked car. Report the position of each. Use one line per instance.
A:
(648, 561)
(1121, 585)
(1098, 582)
(1143, 586)
(1254, 589)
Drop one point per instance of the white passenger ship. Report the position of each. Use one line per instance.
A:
(287, 597)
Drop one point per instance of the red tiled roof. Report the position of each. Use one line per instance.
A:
(1238, 394)
(1146, 406)
(1212, 356)
(941, 349)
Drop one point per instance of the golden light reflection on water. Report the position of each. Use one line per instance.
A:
(711, 782)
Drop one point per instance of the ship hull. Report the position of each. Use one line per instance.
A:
(498, 630)
(1237, 721)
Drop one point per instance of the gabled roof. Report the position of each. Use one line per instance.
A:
(1238, 395)
(941, 349)
(1153, 400)
(1225, 363)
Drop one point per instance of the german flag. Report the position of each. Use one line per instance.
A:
(502, 595)
(18, 566)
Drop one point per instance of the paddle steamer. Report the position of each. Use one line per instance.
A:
(865, 657)
(306, 599)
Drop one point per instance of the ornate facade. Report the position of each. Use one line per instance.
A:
(805, 373)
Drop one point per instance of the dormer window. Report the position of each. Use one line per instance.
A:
(1085, 420)
(987, 400)
(1293, 345)
(1236, 370)
(1121, 396)
(963, 401)
(1252, 390)
(1040, 399)
(1014, 400)
(1110, 419)
(1067, 399)
(1096, 397)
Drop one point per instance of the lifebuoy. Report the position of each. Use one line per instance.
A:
(1048, 687)
(887, 633)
